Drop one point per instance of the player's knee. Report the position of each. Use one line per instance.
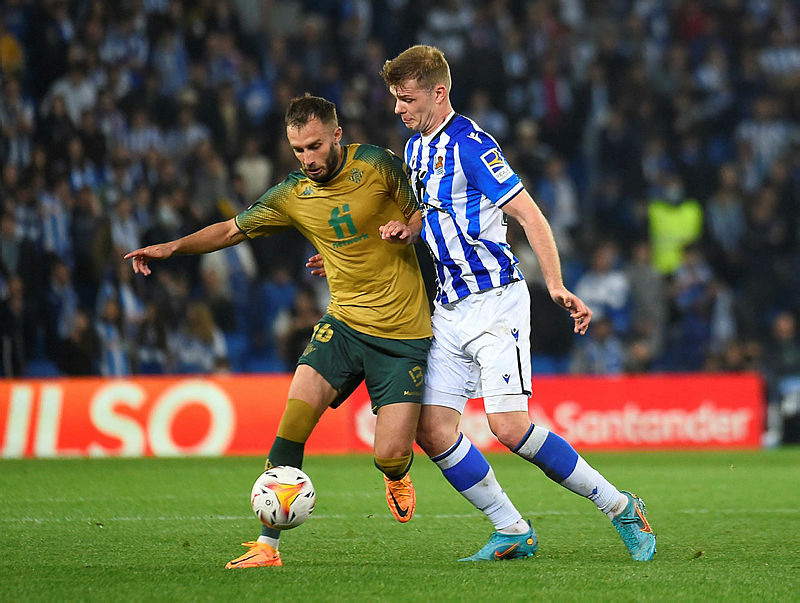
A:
(509, 432)
(426, 438)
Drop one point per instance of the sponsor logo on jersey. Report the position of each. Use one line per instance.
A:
(341, 218)
(308, 190)
(497, 165)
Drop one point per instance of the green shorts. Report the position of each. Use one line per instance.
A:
(394, 369)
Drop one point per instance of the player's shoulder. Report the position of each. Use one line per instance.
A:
(291, 184)
(375, 156)
(467, 131)
(369, 152)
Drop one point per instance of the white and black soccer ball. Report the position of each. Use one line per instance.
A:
(283, 497)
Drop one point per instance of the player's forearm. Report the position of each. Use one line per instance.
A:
(540, 237)
(211, 238)
(415, 226)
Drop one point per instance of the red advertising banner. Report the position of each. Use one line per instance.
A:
(236, 415)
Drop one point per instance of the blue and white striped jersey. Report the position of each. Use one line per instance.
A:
(461, 180)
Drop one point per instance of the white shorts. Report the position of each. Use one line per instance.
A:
(481, 347)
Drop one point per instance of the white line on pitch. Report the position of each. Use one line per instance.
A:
(101, 519)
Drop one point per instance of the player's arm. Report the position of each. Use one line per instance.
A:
(525, 211)
(211, 238)
(399, 187)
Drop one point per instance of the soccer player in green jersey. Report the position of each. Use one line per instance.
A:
(351, 202)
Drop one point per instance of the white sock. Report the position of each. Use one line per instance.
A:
(273, 542)
(469, 472)
(558, 459)
(622, 503)
(519, 527)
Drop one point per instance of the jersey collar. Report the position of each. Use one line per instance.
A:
(448, 120)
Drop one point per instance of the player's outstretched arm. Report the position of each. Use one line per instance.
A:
(211, 238)
(525, 211)
(395, 231)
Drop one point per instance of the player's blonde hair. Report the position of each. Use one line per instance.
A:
(425, 64)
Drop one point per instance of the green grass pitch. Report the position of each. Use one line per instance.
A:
(728, 526)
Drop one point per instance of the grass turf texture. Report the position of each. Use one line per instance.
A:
(158, 529)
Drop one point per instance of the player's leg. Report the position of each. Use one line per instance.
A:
(394, 436)
(561, 463)
(503, 354)
(324, 376)
(394, 371)
(468, 471)
(309, 395)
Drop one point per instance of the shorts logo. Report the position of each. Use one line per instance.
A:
(438, 167)
(506, 377)
(497, 165)
(417, 376)
(515, 333)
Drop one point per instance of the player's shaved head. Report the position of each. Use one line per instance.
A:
(425, 64)
(303, 109)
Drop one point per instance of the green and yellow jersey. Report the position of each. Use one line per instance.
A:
(376, 286)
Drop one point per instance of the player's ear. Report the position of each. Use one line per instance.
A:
(440, 90)
(337, 134)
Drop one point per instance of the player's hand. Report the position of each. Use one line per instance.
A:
(317, 265)
(395, 231)
(578, 311)
(142, 256)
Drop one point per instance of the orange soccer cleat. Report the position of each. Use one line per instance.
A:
(259, 554)
(401, 498)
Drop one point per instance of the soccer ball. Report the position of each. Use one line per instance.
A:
(283, 497)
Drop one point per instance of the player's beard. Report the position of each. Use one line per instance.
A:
(331, 163)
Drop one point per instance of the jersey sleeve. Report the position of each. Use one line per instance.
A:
(268, 214)
(399, 185)
(486, 168)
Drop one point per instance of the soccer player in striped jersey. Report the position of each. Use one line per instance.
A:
(481, 320)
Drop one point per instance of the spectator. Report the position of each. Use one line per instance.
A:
(255, 168)
(602, 354)
(78, 351)
(675, 221)
(606, 289)
(199, 346)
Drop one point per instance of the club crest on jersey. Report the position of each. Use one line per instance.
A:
(438, 166)
(497, 165)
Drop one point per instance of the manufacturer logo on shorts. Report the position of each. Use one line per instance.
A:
(506, 377)
(515, 333)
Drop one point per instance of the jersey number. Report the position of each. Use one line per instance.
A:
(322, 333)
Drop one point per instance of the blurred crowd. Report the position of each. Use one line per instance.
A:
(660, 137)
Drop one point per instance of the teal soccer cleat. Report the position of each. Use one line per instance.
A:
(636, 533)
(507, 546)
